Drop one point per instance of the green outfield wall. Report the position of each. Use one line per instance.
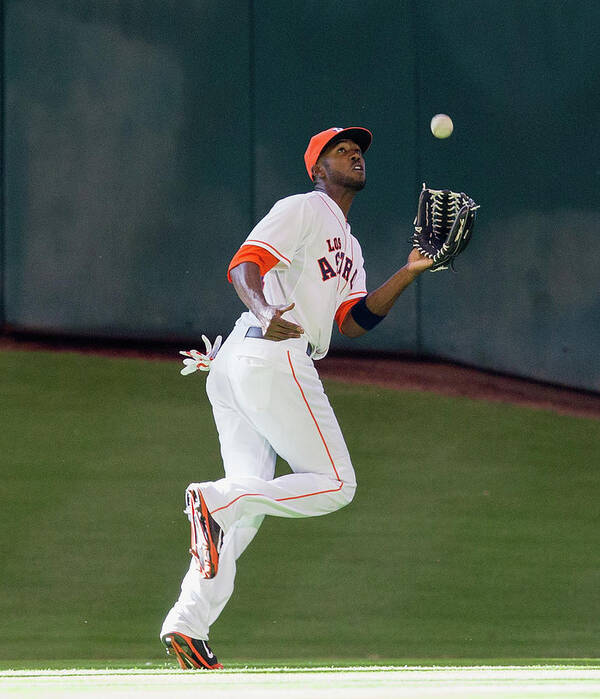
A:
(144, 138)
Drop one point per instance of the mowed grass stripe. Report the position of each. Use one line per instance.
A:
(573, 669)
(290, 665)
(505, 683)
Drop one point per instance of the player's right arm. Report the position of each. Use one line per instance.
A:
(247, 282)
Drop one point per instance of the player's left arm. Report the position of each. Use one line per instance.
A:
(379, 302)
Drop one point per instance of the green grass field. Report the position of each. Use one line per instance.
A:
(480, 542)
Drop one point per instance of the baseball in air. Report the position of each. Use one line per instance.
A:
(441, 126)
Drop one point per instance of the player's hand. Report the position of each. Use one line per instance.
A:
(417, 262)
(196, 361)
(275, 327)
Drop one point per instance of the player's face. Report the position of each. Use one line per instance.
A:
(345, 165)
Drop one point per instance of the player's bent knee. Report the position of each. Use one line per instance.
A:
(338, 497)
(346, 494)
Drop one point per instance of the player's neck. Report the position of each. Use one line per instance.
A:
(342, 196)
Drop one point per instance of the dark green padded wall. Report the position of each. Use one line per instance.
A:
(143, 139)
(128, 164)
(523, 86)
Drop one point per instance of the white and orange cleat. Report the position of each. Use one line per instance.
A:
(191, 653)
(206, 534)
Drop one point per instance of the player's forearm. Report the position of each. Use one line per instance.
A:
(380, 301)
(248, 285)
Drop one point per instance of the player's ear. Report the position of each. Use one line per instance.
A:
(317, 171)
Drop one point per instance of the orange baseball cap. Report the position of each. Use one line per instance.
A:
(318, 142)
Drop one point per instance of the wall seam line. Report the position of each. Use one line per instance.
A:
(252, 111)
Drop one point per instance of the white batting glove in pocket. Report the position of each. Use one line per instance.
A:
(196, 361)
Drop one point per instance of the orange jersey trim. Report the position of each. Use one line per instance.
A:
(344, 309)
(313, 417)
(252, 253)
(280, 255)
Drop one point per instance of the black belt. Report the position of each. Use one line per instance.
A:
(255, 331)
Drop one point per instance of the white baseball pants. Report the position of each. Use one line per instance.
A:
(267, 399)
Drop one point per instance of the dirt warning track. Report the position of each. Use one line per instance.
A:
(401, 373)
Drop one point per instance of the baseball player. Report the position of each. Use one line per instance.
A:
(299, 270)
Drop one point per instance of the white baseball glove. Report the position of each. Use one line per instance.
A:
(196, 361)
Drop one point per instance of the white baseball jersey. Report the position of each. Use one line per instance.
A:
(320, 263)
